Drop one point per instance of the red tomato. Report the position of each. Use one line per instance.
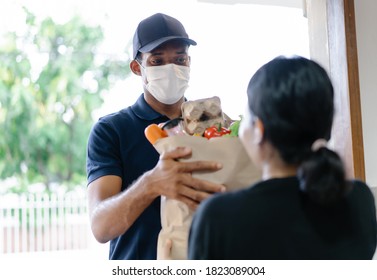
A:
(215, 131)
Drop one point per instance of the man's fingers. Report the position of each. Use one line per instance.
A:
(199, 166)
(194, 191)
(185, 187)
(194, 195)
(185, 152)
(189, 202)
(204, 186)
(176, 153)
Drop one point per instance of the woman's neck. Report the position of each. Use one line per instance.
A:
(274, 167)
(271, 171)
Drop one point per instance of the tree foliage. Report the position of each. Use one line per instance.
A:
(51, 80)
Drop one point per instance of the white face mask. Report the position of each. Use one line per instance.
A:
(167, 83)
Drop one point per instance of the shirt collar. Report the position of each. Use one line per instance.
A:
(142, 109)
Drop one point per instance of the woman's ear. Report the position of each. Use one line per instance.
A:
(135, 67)
(258, 128)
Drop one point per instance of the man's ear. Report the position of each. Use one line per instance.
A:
(258, 131)
(135, 67)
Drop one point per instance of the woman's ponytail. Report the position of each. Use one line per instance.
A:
(322, 176)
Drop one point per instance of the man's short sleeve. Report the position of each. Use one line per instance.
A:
(103, 155)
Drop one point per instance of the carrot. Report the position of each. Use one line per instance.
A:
(153, 132)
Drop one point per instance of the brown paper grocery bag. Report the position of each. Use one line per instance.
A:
(238, 172)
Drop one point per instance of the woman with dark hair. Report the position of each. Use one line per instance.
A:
(304, 207)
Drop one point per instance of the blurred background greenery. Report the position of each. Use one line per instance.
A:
(51, 80)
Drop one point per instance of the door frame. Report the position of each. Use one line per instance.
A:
(332, 33)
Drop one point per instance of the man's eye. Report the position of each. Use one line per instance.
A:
(156, 61)
(182, 60)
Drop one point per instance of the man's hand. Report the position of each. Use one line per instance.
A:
(173, 179)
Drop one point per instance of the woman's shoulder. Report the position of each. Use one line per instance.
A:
(360, 186)
(358, 183)
(362, 193)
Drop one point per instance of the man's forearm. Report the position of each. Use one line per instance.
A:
(115, 215)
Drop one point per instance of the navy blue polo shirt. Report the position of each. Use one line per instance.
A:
(117, 146)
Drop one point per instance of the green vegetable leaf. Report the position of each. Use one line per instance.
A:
(234, 127)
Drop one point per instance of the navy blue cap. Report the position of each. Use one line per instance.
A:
(156, 30)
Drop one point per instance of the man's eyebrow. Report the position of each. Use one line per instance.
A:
(156, 53)
(182, 52)
(159, 52)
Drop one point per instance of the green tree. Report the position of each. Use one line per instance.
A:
(51, 80)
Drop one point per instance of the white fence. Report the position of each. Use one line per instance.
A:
(32, 223)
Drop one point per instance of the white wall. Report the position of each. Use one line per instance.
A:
(366, 26)
(284, 3)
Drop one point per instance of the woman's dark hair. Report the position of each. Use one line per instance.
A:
(293, 97)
